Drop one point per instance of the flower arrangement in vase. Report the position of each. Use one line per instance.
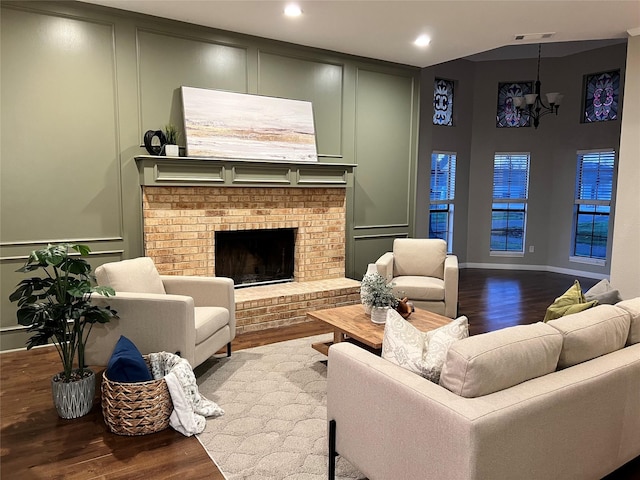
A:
(378, 295)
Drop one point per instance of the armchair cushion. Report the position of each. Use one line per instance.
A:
(419, 288)
(209, 320)
(126, 364)
(419, 257)
(137, 275)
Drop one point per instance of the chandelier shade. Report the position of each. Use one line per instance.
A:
(532, 106)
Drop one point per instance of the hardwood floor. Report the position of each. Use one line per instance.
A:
(35, 443)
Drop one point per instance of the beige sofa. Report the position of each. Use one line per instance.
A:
(546, 401)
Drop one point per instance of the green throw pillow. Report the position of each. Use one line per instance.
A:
(571, 301)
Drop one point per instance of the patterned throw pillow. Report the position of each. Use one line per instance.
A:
(402, 343)
(437, 344)
(418, 352)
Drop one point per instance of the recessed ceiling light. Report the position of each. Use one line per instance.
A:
(292, 10)
(422, 41)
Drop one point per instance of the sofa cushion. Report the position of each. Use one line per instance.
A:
(209, 320)
(592, 333)
(138, 275)
(571, 301)
(493, 361)
(419, 288)
(126, 364)
(423, 257)
(633, 307)
(420, 352)
(603, 292)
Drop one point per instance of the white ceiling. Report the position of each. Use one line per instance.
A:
(386, 29)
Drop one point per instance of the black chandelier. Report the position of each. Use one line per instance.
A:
(532, 106)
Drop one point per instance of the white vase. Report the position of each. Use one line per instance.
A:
(171, 150)
(379, 315)
(371, 270)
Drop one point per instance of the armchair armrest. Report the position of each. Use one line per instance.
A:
(385, 266)
(205, 291)
(451, 275)
(154, 322)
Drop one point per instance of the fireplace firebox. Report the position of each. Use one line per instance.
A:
(255, 257)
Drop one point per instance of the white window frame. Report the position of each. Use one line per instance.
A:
(602, 154)
(510, 200)
(450, 194)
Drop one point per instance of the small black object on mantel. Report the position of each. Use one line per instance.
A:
(153, 147)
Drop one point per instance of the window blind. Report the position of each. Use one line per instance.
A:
(594, 177)
(443, 176)
(511, 177)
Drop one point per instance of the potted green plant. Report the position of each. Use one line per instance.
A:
(377, 294)
(57, 305)
(171, 148)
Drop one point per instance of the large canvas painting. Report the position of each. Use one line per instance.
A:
(240, 126)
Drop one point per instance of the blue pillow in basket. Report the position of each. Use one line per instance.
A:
(126, 364)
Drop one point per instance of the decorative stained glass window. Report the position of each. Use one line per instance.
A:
(443, 102)
(507, 115)
(601, 96)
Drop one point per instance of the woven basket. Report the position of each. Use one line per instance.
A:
(136, 408)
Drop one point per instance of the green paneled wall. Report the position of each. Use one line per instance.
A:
(314, 81)
(58, 123)
(166, 62)
(81, 84)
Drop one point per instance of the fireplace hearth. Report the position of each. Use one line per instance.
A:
(255, 257)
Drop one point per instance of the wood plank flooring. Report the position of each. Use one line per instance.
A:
(35, 443)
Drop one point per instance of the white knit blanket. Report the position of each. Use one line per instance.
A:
(189, 407)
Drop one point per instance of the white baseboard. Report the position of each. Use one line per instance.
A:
(536, 268)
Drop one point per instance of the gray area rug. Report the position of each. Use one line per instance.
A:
(275, 421)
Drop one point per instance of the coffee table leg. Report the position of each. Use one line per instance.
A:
(338, 336)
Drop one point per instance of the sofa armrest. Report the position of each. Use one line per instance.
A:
(154, 322)
(451, 275)
(392, 423)
(385, 266)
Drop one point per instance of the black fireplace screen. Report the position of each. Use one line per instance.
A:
(255, 257)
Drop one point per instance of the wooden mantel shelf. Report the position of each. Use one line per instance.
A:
(190, 171)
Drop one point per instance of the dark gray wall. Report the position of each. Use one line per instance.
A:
(81, 84)
(553, 147)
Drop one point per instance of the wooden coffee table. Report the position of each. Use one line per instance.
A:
(351, 322)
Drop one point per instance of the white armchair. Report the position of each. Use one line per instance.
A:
(192, 316)
(421, 270)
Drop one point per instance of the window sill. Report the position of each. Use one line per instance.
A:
(588, 261)
(506, 254)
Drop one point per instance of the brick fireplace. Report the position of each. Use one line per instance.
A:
(180, 223)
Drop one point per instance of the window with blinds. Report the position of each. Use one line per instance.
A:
(592, 209)
(509, 208)
(441, 197)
